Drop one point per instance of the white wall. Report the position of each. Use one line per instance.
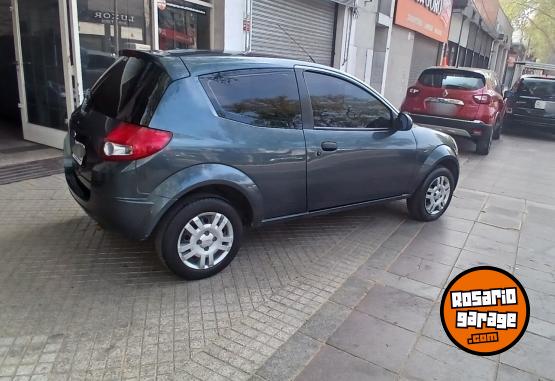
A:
(398, 66)
(234, 36)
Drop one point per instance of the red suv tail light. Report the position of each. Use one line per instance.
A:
(483, 99)
(131, 142)
(413, 91)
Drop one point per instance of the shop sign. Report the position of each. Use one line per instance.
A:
(428, 17)
(110, 17)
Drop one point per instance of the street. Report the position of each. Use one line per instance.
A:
(348, 296)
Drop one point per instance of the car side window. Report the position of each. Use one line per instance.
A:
(337, 103)
(260, 98)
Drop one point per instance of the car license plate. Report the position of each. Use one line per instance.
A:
(540, 105)
(78, 152)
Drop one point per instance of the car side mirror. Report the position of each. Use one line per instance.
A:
(403, 122)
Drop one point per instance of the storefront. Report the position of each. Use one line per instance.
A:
(301, 29)
(48, 33)
(420, 30)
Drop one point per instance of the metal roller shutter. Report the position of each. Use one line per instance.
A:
(424, 55)
(310, 22)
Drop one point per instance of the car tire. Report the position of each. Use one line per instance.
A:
(497, 130)
(419, 204)
(208, 231)
(483, 145)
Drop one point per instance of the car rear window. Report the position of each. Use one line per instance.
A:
(130, 90)
(452, 79)
(537, 87)
(257, 97)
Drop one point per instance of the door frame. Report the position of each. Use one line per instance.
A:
(33, 132)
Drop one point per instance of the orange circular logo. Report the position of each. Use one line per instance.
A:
(485, 310)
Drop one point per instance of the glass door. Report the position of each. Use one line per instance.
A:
(43, 55)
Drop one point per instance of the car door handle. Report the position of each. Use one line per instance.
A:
(329, 146)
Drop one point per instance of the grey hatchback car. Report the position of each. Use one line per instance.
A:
(190, 147)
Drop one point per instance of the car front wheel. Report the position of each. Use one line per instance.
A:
(200, 239)
(433, 197)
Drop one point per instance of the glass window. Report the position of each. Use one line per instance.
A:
(183, 25)
(452, 79)
(130, 90)
(338, 103)
(261, 98)
(537, 87)
(105, 28)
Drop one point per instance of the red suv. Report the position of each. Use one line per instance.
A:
(459, 101)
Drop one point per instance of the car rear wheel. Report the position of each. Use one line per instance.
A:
(200, 239)
(483, 145)
(433, 197)
(497, 130)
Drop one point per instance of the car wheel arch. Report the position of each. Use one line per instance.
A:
(442, 155)
(210, 180)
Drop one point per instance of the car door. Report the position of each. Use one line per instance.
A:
(353, 153)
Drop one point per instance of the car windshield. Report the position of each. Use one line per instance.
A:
(452, 79)
(537, 87)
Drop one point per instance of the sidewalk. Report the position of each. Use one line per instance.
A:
(384, 324)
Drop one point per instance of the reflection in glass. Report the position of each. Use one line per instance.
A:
(105, 28)
(340, 104)
(42, 62)
(260, 99)
(183, 25)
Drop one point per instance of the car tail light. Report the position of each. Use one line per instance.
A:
(482, 99)
(413, 91)
(131, 142)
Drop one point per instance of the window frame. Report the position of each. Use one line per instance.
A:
(307, 111)
(221, 113)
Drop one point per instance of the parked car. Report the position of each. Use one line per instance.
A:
(192, 147)
(531, 103)
(463, 102)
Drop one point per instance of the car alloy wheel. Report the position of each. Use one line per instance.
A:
(205, 241)
(437, 195)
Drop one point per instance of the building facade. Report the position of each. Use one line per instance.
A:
(61, 47)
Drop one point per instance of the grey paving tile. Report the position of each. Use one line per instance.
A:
(432, 360)
(438, 234)
(508, 373)
(485, 245)
(325, 321)
(542, 305)
(380, 259)
(503, 260)
(351, 292)
(374, 340)
(502, 235)
(494, 218)
(538, 280)
(421, 270)
(533, 354)
(454, 223)
(397, 307)
(290, 359)
(541, 328)
(335, 365)
(433, 327)
(432, 251)
(534, 259)
(409, 285)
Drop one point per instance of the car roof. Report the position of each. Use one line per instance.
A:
(199, 62)
(464, 68)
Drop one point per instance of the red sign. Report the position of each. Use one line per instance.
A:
(428, 17)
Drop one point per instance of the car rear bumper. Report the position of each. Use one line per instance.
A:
(130, 216)
(526, 121)
(473, 129)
